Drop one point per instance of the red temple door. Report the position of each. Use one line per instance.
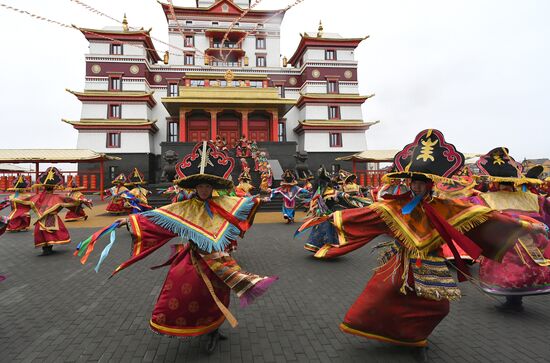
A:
(198, 130)
(258, 130)
(229, 128)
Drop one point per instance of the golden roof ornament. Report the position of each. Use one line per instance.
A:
(166, 57)
(320, 30)
(125, 23)
(285, 61)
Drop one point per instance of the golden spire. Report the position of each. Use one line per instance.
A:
(320, 30)
(125, 23)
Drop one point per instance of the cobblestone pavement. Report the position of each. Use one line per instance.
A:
(54, 309)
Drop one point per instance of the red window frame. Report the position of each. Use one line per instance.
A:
(111, 79)
(185, 59)
(327, 52)
(112, 47)
(117, 141)
(337, 116)
(187, 43)
(169, 90)
(338, 139)
(261, 57)
(336, 88)
(110, 111)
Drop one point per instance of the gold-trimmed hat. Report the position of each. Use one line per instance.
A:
(500, 167)
(429, 156)
(288, 178)
(52, 177)
(20, 184)
(205, 165)
(136, 178)
(120, 179)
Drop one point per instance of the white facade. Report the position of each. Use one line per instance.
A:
(319, 141)
(130, 142)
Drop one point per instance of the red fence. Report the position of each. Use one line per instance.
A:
(89, 181)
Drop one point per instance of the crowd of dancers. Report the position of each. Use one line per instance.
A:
(441, 215)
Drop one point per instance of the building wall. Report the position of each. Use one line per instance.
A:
(318, 141)
(348, 88)
(96, 84)
(352, 112)
(130, 142)
(94, 111)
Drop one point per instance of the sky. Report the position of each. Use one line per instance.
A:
(478, 70)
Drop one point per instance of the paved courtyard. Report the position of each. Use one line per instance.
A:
(54, 309)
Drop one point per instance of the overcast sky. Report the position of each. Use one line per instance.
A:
(478, 70)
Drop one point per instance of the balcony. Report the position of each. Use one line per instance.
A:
(226, 64)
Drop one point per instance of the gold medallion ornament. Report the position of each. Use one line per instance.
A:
(348, 74)
(157, 78)
(292, 81)
(134, 69)
(315, 73)
(229, 76)
(96, 68)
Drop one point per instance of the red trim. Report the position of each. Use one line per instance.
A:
(118, 98)
(142, 37)
(216, 10)
(301, 128)
(152, 127)
(329, 101)
(307, 42)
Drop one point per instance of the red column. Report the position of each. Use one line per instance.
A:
(101, 176)
(182, 124)
(244, 123)
(213, 124)
(274, 125)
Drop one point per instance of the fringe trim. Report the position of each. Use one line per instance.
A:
(438, 241)
(202, 241)
(409, 174)
(516, 181)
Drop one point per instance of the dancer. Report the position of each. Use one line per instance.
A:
(117, 204)
(195, 296)
(77, 213)
(525, 269)
(409, 294)
(19, 218)
(135, 182)
(289, 190)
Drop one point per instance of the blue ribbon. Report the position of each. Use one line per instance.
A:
(409, 207)
(106, 250)
(524, 187)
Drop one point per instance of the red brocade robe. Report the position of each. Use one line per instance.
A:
(19, 218)
(117, 204)
(195, 295)
(76, 213)
(525, 269)
(409, 294)
(49, 228)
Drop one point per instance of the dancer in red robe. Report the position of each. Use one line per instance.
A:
(76, 213)
(195, 296)
(409, 294)
(19, 218)
(49, 229)
(525, 269)
(118, 204)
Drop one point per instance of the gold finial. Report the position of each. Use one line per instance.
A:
(320, 30)
(285, 61)
(245, 61)
(206, 60)
(125, 23)
(166, 57)
(229, 76)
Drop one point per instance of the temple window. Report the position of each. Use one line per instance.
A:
(330, 54)
(173, 131)
(113, 139)
(332, 86)
(333, 112)
(281, 91)
(115, 111)
(173, 90)
(256, 84)
(189, 41)
(115, 84)
(196, 83)
(260, 43)
(335, 139)
(116, 49)
(282, 132)
(260, 61)
(189, 59)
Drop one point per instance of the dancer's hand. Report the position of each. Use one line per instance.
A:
(122, 221)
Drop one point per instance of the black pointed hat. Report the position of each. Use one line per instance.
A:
(120, 179)
(19, 184)
(500, 167)
(52, 177)
(136, 178)
(288, 178)
(534, 172)
(205, 165)
(346, 176)
(429, 156)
